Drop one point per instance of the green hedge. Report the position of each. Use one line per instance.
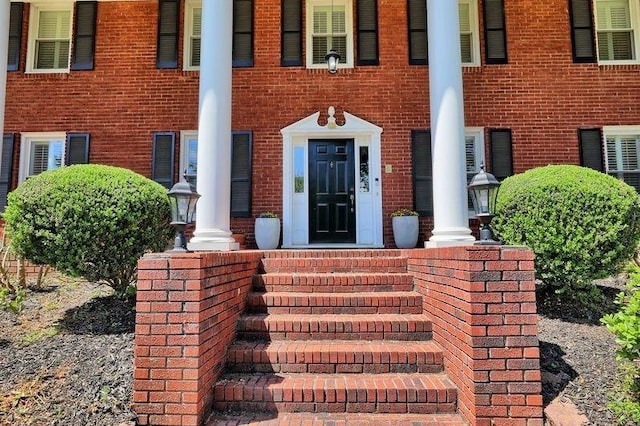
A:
(92, 221)
(581, 224)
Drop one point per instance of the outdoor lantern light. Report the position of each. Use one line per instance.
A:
(183, 205)
(484, 193)
(332, 59)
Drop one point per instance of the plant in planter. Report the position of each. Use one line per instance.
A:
(267, 231)
(405, 228)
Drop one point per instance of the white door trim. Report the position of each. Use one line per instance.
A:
(295, 208)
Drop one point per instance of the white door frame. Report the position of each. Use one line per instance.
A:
(295, 208)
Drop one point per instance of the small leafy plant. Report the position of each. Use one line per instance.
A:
(268, 215)
(404, 212)
(625, 324)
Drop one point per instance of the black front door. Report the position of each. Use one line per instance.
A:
(332, 217)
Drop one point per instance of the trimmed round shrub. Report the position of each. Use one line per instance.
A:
(90, 221)
(581, 224)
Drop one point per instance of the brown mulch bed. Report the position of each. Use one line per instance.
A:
(67, 359)
(577, 353)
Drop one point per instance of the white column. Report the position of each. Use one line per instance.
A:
(451, 224)
(5, 8)
(214, 129)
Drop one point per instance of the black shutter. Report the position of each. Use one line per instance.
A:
(368, 32)
(501, 153)
(243, 33)
(422, 172)
(591, 149)
(77, 149)
(582, 31)
(162, 158)
(418, 49)
(167, 55)
(84, 44)
(495, 37)
(15, 36)
(291, 55)
(6, 167)
(241, 174)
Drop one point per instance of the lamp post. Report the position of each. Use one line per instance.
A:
(183, 205)
(484, 194)
(332, 58)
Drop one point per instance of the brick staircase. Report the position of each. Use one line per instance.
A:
(334, 337)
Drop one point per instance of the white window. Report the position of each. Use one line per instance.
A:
(40, 152)
(192, 28)
(469, 34)
(49, 37)
(189, 155)
(474, 153)
(617, 33)
(622, 150)
(329, 26)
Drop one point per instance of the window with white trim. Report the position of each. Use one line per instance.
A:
(469, 34)
(617, 30)
(474, 155)
(40, 152)
(192, 27)
(622, 151)
(329, 26)
(50, 29)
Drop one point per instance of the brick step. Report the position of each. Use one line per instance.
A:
(331, 253)
(376, 263)
(314, 356)
(327, 303)
(338, 282)
(323, 419)
(336, 393)
(334, 327)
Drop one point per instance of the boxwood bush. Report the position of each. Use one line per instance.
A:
(581, 224)
(90, 221)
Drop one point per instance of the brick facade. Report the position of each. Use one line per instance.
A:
(541, 95)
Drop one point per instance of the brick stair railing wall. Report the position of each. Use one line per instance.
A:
(482, 302)
(186, 313)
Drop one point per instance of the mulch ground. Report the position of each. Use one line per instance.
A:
(67, 358)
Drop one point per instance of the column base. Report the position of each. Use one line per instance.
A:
(219, 244)
(212, 240)
(447, 237)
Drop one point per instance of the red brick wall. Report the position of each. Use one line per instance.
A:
(186, 311)
(483, 305)
(541, 95)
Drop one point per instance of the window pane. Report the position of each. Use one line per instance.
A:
(54, 24)
(319, 49)
(364, 169)
(629, 150)
(197, 22)
(465, 19)
(191, 168)
(298, 160)
(45, 156)
(466, 48)
(195, 52)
